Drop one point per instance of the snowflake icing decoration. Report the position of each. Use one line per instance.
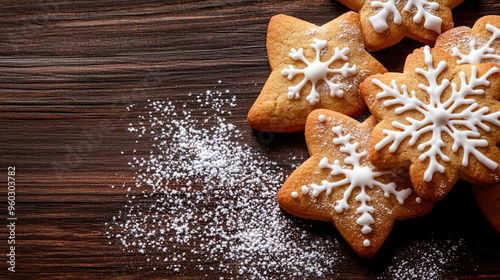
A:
(317, 71)
(477, 55)
(423, 8)
(357, 176)
(379, 21)
(440, 117)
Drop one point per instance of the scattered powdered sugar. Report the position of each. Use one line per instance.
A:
(348, 29)
(347, 84)
(312, 31)
(461, 39)
(428, 260)
(203, 199)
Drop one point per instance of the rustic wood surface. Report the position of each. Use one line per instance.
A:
(68, 69)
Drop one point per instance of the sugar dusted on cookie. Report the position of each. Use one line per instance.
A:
(480, 44)
(312, 67)
(386, 22)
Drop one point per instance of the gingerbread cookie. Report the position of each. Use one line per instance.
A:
(488, 199)
(339, 184)
(312, 67)
(386, 22)
(439, 118)
(476, 45)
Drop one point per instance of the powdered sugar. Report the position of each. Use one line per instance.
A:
(202, 200)
(429, 260)
(462, 38)
(200, 196)
(312, 31)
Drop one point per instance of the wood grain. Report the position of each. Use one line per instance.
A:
(68, 69)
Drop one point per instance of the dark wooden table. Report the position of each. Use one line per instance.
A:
(68, 70)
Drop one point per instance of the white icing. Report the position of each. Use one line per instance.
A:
(440, 117)
(366, 243)
(305, 190)
(423, 8)
(356, 176)
(478, 55)
(317, 71)
(295, 194)
(418, 200)
(379, 21)
(321, 118)
(432, 22)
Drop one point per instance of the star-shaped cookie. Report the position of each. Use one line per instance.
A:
(439, 118)
(312, 67)
(386, 22)
(339, 184)
(477, 45)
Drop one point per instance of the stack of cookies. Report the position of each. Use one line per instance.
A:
(435, 123)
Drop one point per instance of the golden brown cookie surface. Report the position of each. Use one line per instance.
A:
(477, 45)
(312, 67)
(339, 184)
(386, 22)
(439, 118)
